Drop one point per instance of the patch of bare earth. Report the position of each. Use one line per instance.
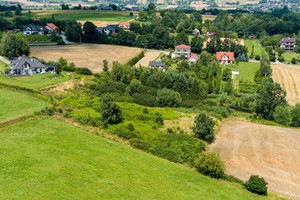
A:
(289, 78)
(86, 55)
(268, 151)
(149, 56)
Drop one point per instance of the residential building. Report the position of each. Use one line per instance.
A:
(22, 65)
(32, 29)
(182, 50)
(104, 8)
(193, 58)
(196, 31)
(251, 36)
(51, 27)
(109, 29)
(157, 64)
(288, 44)
(124, 25)
(225, 58)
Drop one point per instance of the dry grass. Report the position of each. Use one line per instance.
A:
(289, 78)
(86, 55)
(149, 56)
(185, 123)
(237, 41)
(268, 151)
(100, 23)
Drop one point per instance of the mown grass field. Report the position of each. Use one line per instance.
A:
(257, 47)
(15, 104)
(84, 15)
(37, 81)
(289, 55)
(247, 70)
(43, 158)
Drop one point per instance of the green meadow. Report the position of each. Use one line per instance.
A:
(43, 158)
(37, 81)
(257, 47)
(246, 69)
(16, 104)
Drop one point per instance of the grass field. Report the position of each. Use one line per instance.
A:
(84, 15)
(246, 69)
(257, 47)
(289, 55)
(15, 104)
(87, 55)
(43, 158)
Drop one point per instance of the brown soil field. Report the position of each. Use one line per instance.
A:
(86, 55)
(100, 23)
(149, 56)
(289, 78)
(237, 41)
(268, 151)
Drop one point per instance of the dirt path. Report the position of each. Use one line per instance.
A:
(289, 78)
(268, 151)
(149, 56)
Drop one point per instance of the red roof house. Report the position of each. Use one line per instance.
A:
(124, 25)
(183, 46)
(182, 50)
(225, 58)
(51, 27)
(193, 54)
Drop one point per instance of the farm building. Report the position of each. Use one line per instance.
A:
(225, 58)
(32, 29)
(288, 44)
(51, 27)
(182, 50)
(124, 25)
(22, 65)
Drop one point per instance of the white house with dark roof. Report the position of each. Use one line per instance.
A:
(288, 44)
(32, 29)
(22, 65)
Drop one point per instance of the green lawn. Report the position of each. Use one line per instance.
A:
(247, 70)
(43, 158)
(15, 104)
(289, 55)
(37, 81)
(257, 47)
(84, 15)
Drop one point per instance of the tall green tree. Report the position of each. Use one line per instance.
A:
(110, 111)
(265, 65)
(196, 44)
(90, 31)
(204, 127)
(13, 45)
(181, 38)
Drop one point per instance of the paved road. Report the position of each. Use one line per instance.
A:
(4, 60)
(65, 39)
(275, 63)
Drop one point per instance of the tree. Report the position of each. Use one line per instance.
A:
(196, 17)
(167, 97)
(203, 127)
(210, 163)
(135, 86)
(181, 38)
(252, 52)
(73, 31)
(257, 185)
(294, 61)
(111, 112)
(14, 45)
(159, 119)
(19, 10)
(269, 97)
(265, 66)
(90, 31)
(196, 44)
(295, 114)
(282, 115)
(105, 66)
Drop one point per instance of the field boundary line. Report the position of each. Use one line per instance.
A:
(15, 120)
(295, 86)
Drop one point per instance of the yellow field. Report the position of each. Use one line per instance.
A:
(237, 41)
(86, 55)
(149, 56)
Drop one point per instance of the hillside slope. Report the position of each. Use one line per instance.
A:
(43, 158)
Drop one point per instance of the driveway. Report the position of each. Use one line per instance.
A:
(4, 60)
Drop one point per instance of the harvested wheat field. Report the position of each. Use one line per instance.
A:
(100, 23)
(268, 151)
(86, 55)
(149, 56)
(289, 78)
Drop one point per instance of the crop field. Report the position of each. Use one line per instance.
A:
(86, 55)
(246, 69)
(44, 158)
(84, 15)
(101, 23)
(237, 41)
(149, 56)
(37, 81)
(288, 77)
(268, 151)
(15, 104)
(257, 47)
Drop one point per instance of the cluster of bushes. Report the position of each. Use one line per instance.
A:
(136, 59)
(287, 117)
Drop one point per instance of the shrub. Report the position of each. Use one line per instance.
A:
(281, 59)
(167, 97)
(110, 111)
(295, 114)
(60, 110)
(130, 127)
(257, 57)
(135, 86)
(294, 61)
(282, 115)
(83, 70)
(60, 42)
(159, 119)
(257, 185)
(204, 127)
(144, 99)
(143, 117)
(145, 111)
(232, 179)
(210, 164)
(125, 133)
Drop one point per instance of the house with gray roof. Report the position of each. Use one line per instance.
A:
(109, 29)
(32, 29)
(22, 65)
(157, 64)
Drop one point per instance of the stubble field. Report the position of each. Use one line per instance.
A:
(86, 55)
(289, 78)
(268, 151)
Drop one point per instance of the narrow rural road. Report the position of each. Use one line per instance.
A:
(275, 63)
(65, 39)
(4, 60)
